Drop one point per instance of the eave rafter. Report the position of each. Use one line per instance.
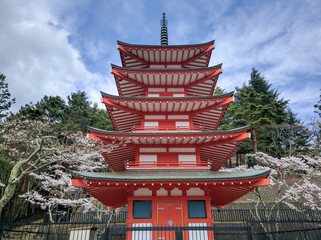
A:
(123, 77)
(238, 138)
(124, 50)
(224, 103)
(217, 138)
(120, 73)
(173, 52)
(209, 49)
(118, 106)
(115, 101)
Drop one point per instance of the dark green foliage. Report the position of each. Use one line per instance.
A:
(81, 114)
(218, 91)
(49, 108)
(5, 97)
(318, 107)
(255, 104)
(5, 167)
(285, 140)
(75, 115)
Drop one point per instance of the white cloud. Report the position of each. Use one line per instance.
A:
(37, 58)
(59, 47)
(278, 38)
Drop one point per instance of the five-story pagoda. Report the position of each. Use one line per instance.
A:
(165, 166)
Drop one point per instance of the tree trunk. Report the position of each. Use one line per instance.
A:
(8, 194)
(255, 140)
(15, 176)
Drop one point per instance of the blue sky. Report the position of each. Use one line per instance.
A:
(59, 47)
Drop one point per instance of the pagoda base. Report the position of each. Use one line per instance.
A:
(168, 211)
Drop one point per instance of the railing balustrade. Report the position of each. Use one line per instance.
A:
(205, 165)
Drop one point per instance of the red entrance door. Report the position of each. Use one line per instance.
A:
(169, 214)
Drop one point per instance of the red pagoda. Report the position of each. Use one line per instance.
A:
(167, 150)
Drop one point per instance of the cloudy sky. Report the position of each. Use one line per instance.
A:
(58, 47)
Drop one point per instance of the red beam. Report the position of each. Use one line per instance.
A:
(209, 49)
(110, 103)
(241, 137)
(226, 101)
(116, 73)
(121, 48)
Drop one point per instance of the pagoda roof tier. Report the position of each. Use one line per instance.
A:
(216, 147)
(206, 111)
(195, 81)
(159, 56)
(113, 188)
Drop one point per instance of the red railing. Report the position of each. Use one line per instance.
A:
(147, 128)
(169, 165)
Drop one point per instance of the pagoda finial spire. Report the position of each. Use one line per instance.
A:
(164, 36)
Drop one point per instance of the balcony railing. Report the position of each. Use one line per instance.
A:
(168, 165)
(148, 128)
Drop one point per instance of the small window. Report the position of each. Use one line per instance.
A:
(142, 209)
(196, 209)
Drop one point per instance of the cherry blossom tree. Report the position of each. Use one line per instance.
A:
(46, 157)
(315, 133)
(54, 183)
(292, 183)
(29, 147)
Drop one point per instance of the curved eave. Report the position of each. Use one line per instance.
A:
(153, 56)
(163, 176)
(165, 46)
(216, 147)
(192, 98)
(167, 69)
(114, 189)
(156, 133)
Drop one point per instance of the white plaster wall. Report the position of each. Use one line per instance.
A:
(182, 150)
(152, 150)
(195, 192)
(175, 89)
(155, 117)
(178, 95)
(187, 158)
(152, 95)
(176, 192)
(151, 124)
(156, 89)
(182, 124)
(149, 158)
(162, 192)
(178, 117)
(142, 192)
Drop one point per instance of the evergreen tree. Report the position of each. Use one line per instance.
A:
(49, 108)
(318, 107)
(218, 91)
(81, 113)
(75, 115)
(5, 97)
(255, 104)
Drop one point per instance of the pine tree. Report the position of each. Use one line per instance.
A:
(318, 107)
(73, 116)
(5, 100)
(256, 104)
